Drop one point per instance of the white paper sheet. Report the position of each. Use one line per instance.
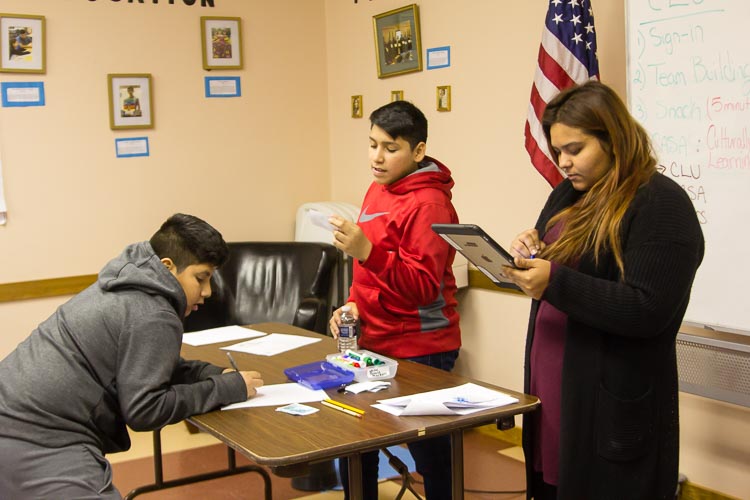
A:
(274, 343)
(279, 395)
(371, 386)
(221, 334)
(460, 400)
(320, 219)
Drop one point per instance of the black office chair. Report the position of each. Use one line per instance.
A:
(286, 282)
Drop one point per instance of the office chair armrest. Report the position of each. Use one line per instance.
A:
(311, 315)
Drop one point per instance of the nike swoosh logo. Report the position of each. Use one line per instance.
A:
(365, 217)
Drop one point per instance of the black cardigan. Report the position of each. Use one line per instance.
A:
(619, 417)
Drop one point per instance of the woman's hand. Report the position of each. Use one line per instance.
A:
(349, 238)
(532, 277)
(336, 318)
(527, 244)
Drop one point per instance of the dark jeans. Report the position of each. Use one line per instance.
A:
(431, 456)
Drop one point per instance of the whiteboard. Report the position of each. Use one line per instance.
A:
(688, 69)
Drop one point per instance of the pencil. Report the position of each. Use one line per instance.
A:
(231, 360)
(339, 408)
(345, 406)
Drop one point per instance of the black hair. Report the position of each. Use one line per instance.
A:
(188, 240)
(401, 119)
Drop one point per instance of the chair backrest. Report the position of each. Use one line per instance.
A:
(287, 282)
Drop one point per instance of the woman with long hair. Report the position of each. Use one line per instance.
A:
(609, 264)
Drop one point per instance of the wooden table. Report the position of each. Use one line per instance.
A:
(288, 444)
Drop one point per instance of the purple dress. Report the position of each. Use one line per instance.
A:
(547, 351)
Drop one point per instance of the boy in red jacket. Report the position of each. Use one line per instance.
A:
(403, 289)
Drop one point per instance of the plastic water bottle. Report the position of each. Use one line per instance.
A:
(348, 330)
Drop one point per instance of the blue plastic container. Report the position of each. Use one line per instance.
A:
(319, 375)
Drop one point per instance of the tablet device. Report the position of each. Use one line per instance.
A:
(478, 247)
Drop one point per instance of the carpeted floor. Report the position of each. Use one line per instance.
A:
(491, 466)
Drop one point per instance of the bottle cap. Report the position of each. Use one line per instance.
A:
(346, 308)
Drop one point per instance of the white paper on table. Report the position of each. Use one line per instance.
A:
(274, 343)
(279, 395)
(320, 219)
(460, 400)
(221, 334)
(371, 386)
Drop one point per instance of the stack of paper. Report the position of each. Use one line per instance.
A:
(461, 400)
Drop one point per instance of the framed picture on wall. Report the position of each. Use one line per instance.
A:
(221, 40)
(22, 43)
(397, 95)
(444, 98)
(398, 48)
(356, 106)
(130, 101)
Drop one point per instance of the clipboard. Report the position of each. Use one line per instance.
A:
(479, 248)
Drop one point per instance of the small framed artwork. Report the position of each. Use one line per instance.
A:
(222, 42)
(356, 106)
(398, 48)
(397, 95)
(130, 101)
(22, 43)
(444, 98)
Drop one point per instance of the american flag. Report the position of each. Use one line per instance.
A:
(567, 55)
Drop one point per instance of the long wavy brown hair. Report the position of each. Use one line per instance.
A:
(593, 223)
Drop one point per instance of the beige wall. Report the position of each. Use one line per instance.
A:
(246, 164)
(494, 47)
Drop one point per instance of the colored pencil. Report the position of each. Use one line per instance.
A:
(339, 408)
(343, 405)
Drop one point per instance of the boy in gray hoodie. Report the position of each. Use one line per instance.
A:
(110, 357)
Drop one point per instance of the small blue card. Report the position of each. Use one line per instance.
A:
(132, 146)
(439, 57)
(21, 94)
(297, 409)
(223, 86)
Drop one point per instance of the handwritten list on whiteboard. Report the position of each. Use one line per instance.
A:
(689, 86)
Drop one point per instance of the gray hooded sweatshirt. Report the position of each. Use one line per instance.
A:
(108, 357)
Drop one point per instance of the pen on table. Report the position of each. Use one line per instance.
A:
(341, 408)
(231, 360)
(344, 406)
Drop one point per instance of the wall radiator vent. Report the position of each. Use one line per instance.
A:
(715, 365)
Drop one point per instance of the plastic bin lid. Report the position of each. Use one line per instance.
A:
(319, 375)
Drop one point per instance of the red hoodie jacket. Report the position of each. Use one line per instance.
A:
(405, 291)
